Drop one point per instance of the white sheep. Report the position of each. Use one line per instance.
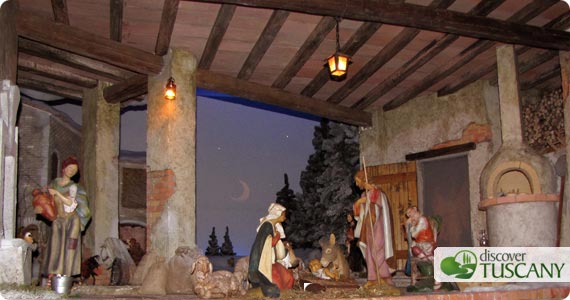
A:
(209, 284)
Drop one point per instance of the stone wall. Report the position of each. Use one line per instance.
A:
(43, 131)
(430, 122)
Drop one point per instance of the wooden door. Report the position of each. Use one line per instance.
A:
(399, 182)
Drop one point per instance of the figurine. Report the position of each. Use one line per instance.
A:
(373, 229)
(63, 255)
(333, 259)
(263, 273)
(423, 232)
(210, 284)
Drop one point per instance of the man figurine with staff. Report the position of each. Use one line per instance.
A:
(374, 230)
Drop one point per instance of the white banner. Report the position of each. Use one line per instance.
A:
(502, 264)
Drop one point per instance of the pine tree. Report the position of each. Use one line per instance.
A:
(305, 217)
(227, 246)
(213, 248)
(336, 188)
(286, 197)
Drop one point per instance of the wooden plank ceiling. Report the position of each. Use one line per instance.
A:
(274, 51)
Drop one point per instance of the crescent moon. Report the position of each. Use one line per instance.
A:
(245, 192)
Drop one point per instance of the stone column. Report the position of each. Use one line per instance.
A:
(565, 70)
(15, 254)
(507, 76)
(100, 166)
(171, 154)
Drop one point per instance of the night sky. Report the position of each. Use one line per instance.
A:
(243, 150)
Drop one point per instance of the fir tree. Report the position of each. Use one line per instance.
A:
(213, 248)
(227, 247)
(286, 197)
(327, 184)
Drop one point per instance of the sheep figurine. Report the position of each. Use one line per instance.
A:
(241, 271)
(209, 284)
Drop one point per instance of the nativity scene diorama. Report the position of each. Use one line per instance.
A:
(272, 268)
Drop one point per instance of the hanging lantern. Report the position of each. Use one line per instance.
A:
(170, 90)
(338, 62)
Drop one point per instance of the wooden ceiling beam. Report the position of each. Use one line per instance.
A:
(223, 19)
(268, 95)
(421, 58)
(421, 17)
(72, 60)
(46, 85)
(116, 20)
(169, 14)
(355, 42)
(59, 8)
(524, 15)
(87, 44)
(553, 72)
(561, 22)
(274, 24)
(129, 89)
(524, 66)
(305, 52)
(32, 67)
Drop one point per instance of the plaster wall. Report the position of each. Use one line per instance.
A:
(430, 120)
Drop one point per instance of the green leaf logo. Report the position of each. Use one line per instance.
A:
(462, 265)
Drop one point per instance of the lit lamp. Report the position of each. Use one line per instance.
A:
(338, 62)
(170, 92)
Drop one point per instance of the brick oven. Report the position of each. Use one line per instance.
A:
(518, 186)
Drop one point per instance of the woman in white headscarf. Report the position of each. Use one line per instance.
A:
(264, 270)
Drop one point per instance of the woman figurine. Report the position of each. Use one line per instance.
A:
(264, 269)
(63, 255)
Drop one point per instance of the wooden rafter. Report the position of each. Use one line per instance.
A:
(561, 22)
(59, 8)
(47, 85)
(304, 53)
(424, 56)
(524, 66)
(215, 39)
(355, 42)
(383, 56)
(169, 13)
(421, 17)
(32, 67)
(387, 53)
(72, 60)
(472, 51)
(553, 72)
(264, 94)
(265, 40)
(116, 20)
(85, 43)
(127, 89)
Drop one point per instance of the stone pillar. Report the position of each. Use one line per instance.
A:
(509, 95)
(100, 171)
(565, 70)
(15, 254)
(171, 154)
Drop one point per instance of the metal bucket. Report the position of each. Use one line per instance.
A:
(62, 284)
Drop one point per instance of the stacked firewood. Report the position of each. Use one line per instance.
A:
(543, 122)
